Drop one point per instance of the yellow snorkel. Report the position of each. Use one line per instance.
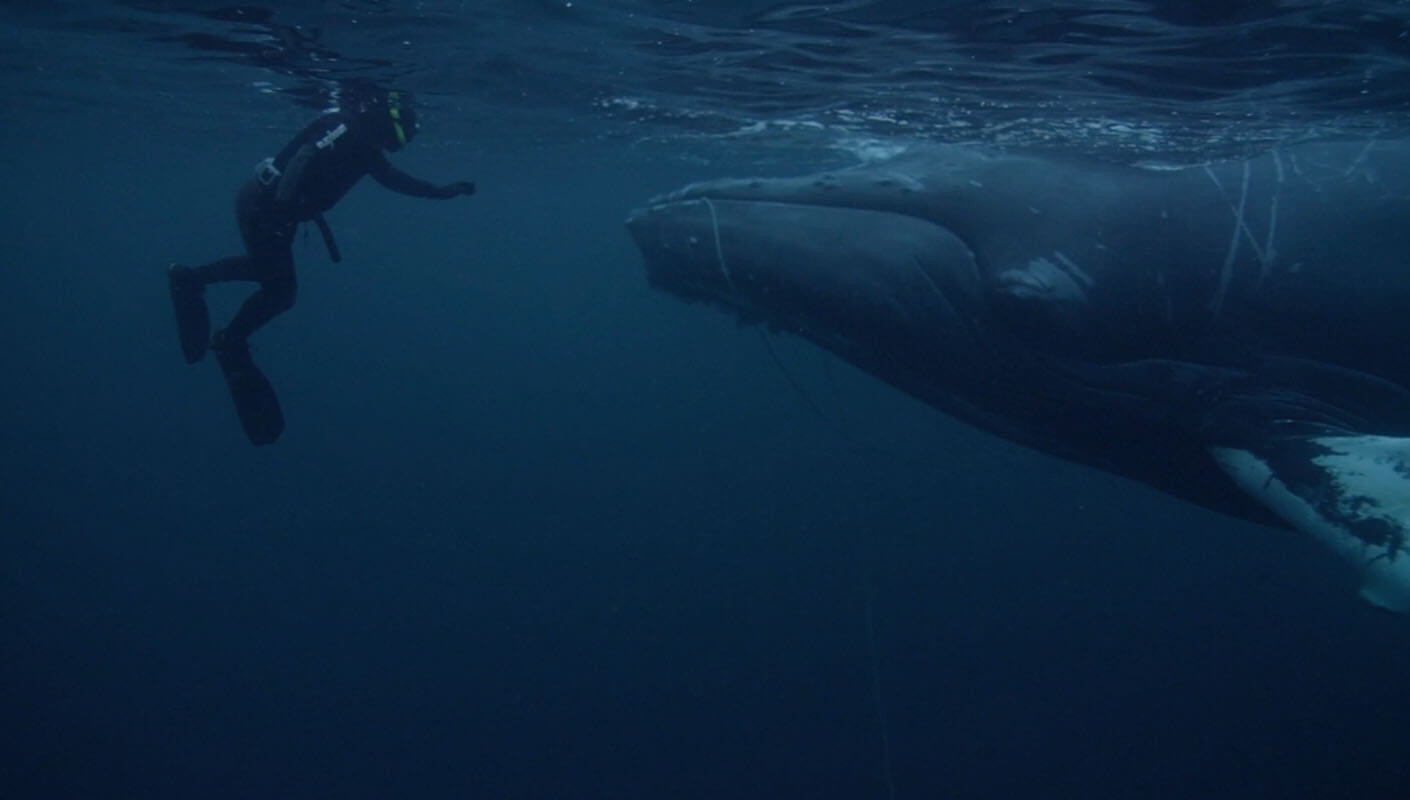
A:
(394, 111)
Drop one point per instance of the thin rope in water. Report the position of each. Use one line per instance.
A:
(763, 332)
(879, 703)
(876, 694)
(788, 375)
(798, 387)
(719, 250)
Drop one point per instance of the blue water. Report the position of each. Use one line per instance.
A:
(535, 531)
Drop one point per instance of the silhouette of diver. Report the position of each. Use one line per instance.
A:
(308, 177)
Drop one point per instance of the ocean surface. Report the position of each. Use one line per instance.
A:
(537, 531)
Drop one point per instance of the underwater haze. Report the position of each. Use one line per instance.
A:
(537, 531)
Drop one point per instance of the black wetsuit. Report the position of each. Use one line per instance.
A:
(309, 176)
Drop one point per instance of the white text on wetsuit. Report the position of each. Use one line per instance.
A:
(331, 136)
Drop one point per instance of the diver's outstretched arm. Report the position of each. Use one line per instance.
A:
(389, 176)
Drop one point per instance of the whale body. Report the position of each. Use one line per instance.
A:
(1236, 334)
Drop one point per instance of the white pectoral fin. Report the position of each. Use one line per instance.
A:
(1350, 491)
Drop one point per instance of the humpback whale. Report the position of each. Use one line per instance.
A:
(1236, 333)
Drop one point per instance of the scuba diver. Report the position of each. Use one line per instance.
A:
(308, 177)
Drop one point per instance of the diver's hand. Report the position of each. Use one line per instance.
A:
(466, 188)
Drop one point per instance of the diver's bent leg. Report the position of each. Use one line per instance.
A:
(274, 297)
(234, 268)
(188, 298)
(268, 239)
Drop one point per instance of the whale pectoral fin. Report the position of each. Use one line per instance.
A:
(1352, 492)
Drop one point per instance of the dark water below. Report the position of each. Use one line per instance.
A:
(537, 532)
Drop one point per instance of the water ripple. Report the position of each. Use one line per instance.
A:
(1191, 77)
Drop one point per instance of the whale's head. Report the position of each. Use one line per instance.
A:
(851, 276)
(837, 259)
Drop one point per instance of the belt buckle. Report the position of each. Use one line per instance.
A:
(266, 173)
